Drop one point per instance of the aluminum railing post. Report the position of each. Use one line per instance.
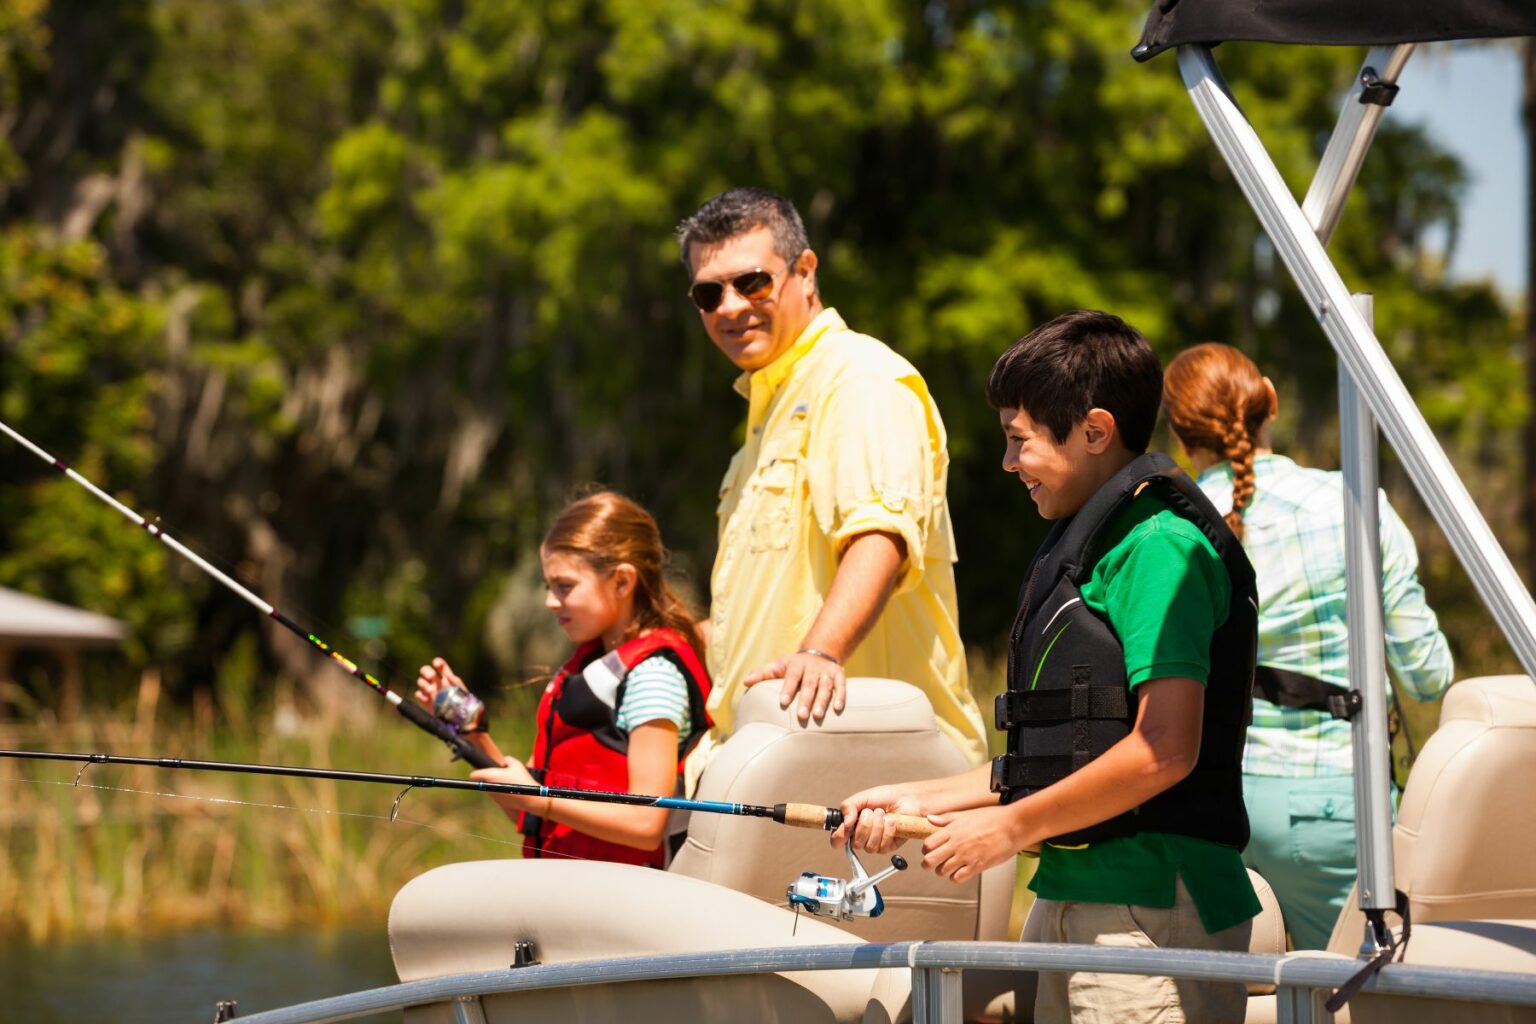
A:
(936, 995)
(1299, 1004)
(1358, 455)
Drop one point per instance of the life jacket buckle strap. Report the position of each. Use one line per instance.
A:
(1109, 703)
(1020, 771)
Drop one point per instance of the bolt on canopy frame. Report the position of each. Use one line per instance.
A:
(1370, 391)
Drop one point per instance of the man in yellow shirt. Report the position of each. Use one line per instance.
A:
(836, 551)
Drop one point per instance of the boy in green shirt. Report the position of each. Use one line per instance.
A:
(1129, 690)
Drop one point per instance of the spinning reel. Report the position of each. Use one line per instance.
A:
(842, 899)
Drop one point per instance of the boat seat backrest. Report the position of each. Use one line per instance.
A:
(886, 734)
(1466, 825)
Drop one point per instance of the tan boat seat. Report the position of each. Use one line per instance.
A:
(886, 734)
(468, 917)
(1461, 849)
(725, 889)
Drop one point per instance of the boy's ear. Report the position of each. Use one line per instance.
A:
(1099, 430)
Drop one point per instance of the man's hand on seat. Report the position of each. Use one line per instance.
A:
(818, 682)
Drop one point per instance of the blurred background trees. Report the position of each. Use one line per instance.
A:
(353, 294)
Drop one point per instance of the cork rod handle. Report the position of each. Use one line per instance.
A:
(912, 826)
(908, 826)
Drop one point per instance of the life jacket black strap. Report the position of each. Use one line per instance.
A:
(1021, 771)
(1289, 689)
(1080, 702)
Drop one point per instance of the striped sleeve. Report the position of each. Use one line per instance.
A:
(654, 690)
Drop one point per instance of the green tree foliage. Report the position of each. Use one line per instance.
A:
(354, 293)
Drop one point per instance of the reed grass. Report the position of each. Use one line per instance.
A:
(136, 848)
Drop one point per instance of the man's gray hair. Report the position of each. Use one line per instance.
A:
(739, 210)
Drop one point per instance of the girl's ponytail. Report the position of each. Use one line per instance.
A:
(1217, 400)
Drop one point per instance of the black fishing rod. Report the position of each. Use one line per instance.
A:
(798, 815)
(413, 713)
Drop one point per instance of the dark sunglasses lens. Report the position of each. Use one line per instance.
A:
(753, 285)
(707, 295)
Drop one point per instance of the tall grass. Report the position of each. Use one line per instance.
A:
(135, 848)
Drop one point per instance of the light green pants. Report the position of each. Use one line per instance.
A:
(1303, 844)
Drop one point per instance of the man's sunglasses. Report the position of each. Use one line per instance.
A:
(753, 285)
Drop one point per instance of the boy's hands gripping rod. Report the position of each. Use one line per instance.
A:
(798, 815)
(418, 716)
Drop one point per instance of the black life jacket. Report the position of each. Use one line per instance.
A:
(1068, 701)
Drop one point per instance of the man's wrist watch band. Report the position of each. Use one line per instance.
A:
(821, 654)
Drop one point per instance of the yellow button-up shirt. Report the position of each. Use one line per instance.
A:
(842, 439)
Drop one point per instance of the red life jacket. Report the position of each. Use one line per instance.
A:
(578, 744)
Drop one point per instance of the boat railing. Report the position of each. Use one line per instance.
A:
(1302, 981)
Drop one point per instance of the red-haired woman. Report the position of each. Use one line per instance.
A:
(624, 710)
(1297, 766)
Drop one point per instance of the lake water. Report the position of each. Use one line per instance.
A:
(179, 978)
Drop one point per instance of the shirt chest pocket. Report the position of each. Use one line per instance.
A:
(776, 486)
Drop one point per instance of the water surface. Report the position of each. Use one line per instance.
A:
(179, 978)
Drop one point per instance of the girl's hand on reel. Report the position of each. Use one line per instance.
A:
(450, 700)
(434, 677)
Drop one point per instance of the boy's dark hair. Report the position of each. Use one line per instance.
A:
(739, 210)
(1079, 361)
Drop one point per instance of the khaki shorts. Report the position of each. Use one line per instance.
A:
(1086, 998)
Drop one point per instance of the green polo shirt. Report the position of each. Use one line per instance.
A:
(1162, 587)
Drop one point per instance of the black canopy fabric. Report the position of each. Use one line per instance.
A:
(1331, 22)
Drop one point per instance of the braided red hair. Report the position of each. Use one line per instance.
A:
(1217, 400)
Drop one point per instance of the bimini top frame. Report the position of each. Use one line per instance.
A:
(1371, 391)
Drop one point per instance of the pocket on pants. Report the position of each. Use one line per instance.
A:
(1146, 926)
(1322, 823)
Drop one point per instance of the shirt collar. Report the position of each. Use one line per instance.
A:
(1223, 470)
(759, 386)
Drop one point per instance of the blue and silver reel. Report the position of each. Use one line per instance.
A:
(842, 899)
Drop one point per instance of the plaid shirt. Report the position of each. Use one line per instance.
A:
(1294, 535)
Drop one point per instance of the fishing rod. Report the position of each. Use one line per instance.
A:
(799, 815)
(412, 712)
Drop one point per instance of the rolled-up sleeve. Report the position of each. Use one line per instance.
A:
(1416, 648)
(871, 468)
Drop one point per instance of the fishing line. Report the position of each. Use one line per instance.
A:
(383, 818)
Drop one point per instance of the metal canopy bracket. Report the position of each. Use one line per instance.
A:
(1359, 116)
(1373, 89)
